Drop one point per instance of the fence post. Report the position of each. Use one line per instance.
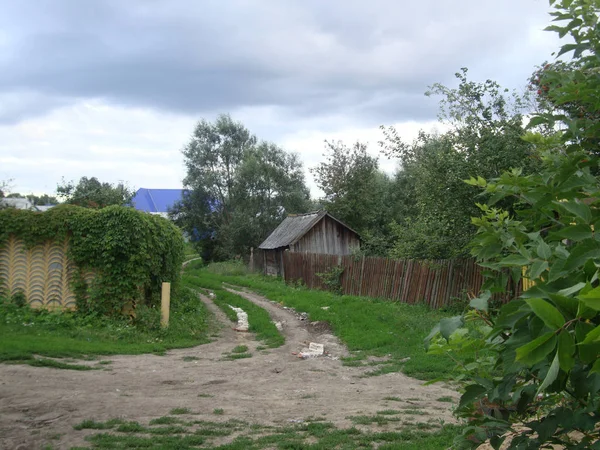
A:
(252, 259)
(165, 304)
(362, 271)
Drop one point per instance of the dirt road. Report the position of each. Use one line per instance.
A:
(40, 406)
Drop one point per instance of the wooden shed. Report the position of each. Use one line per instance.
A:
(316, 232)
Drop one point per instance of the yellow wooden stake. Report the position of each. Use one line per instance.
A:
(165, 304)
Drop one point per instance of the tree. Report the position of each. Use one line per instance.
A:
(433, 220)
(356, 191)
(43, 199)
(239, 189)
(543, 348)
(91, 193)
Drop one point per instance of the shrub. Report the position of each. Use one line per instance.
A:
(130, 252)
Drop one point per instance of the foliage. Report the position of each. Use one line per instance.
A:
(356, 192)
(28, 333)
(43, 199)
(259, 320)
(332, 279)
(545, 345)
(240, 189)
(92, 193)
(130, 253)
(369, 327)
(433, 206)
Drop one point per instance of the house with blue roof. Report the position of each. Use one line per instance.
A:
(156, 201)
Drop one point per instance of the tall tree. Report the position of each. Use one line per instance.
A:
(239, 189)
(484, 139)
(92, 193)
(356, 191)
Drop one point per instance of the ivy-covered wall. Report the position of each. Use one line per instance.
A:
(130, 252)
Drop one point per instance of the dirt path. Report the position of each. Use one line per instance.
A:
(273, 387)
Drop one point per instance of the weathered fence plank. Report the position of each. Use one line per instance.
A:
(434, 283)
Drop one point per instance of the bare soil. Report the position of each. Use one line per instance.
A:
(40, 406)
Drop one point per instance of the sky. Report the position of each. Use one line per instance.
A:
(113, 88)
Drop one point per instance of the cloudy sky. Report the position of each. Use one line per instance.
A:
(113, 89)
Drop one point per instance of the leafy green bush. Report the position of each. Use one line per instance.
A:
(130, 252)
(543, 370)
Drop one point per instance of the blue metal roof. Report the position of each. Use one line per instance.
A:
(156, 200)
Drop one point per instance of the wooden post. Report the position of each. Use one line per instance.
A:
(362, 271)
(165, 304)
(252, 259)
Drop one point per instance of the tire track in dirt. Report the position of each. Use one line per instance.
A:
(273, 387)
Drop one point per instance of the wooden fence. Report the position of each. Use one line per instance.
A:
(433, 282)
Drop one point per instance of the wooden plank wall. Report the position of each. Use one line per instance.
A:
(433, 282)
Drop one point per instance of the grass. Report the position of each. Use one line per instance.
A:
(393, 399)
(240, 349)
(369, 327)
(445, 399)
(27, 332)
(234, 356)
(218, 411)
(190, 358)
(176, 411)
(237, 435)
(258, 319)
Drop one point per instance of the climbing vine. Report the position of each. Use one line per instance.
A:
(130, 252)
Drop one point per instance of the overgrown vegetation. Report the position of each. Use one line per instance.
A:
(543, 366)
(369, 327)
(187, 434)
(130, 253)
(28, 332)
(258, 319)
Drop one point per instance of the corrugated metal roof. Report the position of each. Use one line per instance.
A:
(291, 230)
(156, 200)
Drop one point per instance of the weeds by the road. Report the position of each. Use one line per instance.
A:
(27, 332)
(239, 435)
(388, 330)
(259, 320)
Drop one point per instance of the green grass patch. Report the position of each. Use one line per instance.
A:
(388, 412)
(258, 319)
(205, 395)
(218, 411)
(393, 399)
(240, 349)
(369, 327)
(445, 399)
(190, 358)
(311, 435)
(234, 356)
(26, 332)
(177, 411)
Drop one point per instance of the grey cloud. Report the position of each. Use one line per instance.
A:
(367, 59)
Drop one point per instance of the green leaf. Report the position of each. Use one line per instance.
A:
(572, 290)
(449, 325)
(575, 233)
(536, 350)
(481, 303)
(537, 268)
(537, 120)
(596, 367)
(551, 375)
(472, 392)
(591, 299)
(581, 254)
(567, 305)
(435, 330)
(566, 350)
(581, 210)
(592, 336)
(514, 260)
(545, 311)
(544, 251)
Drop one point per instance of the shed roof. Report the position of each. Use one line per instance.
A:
(156, 200)
(293, 228)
